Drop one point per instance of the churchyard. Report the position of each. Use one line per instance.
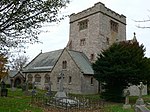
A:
(23, 101)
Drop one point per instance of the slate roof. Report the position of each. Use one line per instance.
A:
(44, 62)
(82, 62)
(12, 73)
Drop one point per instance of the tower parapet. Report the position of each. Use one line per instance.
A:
(98, 8)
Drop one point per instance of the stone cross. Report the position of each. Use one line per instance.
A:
(127, 105)
(49, 88)
(141, 87)
(140, 101)
(61, 82)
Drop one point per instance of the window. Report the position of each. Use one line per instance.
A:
(82, 42)
(47, 78)
(58, 79)
(92, 57)
(91, 80)
(107, 41)
(70, 80)
(83, 24)
(114, 26)
(37, 78)
(64, 64)
(30, 77)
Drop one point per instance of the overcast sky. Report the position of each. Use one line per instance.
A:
(58, 35)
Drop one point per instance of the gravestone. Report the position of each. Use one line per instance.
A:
(49, 93)
(127, 105)
(4, 91)
(33, 92)
(25, 88)
(140, 100)
(60, 93)
(139, 105)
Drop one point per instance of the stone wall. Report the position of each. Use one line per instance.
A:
(71, 70)
(78, 80)
(98, 30)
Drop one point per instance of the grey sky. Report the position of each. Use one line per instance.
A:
(58, 35)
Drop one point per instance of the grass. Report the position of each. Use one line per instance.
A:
(18, 102)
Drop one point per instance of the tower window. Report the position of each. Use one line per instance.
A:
(107, 41)
(92, 57)
(64, 64)
(70, 79)
(114, 26)
(83, 24)
(82, 42)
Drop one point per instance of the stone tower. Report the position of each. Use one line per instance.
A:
(95, 29)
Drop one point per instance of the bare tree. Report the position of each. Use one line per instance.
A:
(19, 62)
(21, 20)
(143, 23)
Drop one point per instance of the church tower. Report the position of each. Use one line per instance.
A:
(95, 29)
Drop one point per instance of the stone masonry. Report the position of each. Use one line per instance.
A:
(98, 35)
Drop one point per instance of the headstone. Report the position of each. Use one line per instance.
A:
(140, 101)
(33, 89)
(49, 89)
(60, 94)
(4, 91)
(25, 88)
(127, 105)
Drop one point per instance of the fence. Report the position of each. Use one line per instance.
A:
(69, 104)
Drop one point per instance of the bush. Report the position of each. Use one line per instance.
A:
(8, 85)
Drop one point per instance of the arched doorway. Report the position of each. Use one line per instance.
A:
(17, 82)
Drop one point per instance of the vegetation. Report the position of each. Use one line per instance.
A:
(17, 101)
(19, 62)
(21, 20)
(120, 66)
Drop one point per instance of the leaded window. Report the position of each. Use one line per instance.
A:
(37, 78)
(83, 24)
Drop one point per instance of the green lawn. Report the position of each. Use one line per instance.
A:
(18, 102)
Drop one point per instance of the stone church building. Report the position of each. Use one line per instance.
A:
(91, 31)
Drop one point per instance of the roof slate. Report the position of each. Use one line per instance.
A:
(43, 62)
(82, 61)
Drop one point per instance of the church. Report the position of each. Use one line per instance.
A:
(91, 31)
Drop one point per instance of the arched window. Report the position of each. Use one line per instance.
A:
(30, 77)
(37, 78)
(64, 64)
(47, 78)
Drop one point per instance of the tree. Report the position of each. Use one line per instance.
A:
(21, 20)
(19, 62)
(120, 66)
(3, 68)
